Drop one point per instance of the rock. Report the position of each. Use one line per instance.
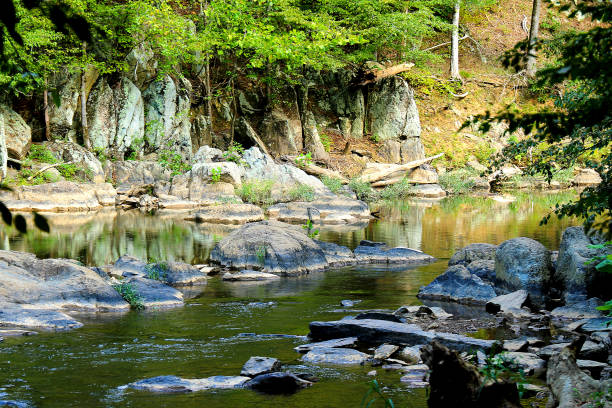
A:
(331, 355)
(580, 279)
(415, 376)
(580, 310)
(3, 151)
(229, 214)
(427, 191)
(312, 140)
(127, 266)
(13, 314)
(17, 332)
(130, 117)
(595, 325)
(329, 209)
(172, 384)
(385, 351)
(277, 383)
(17, 134)
(453, 382)
(424, 174)
(129, 174)
(260, 365)
(380, 316)
(458, 285)
(392, 111)
(53, 285)
(155, 294)
(287, 250)
(389, 151)
(347, 303)
(412, 149)
(568, 384)
(593, 367)
(87, 164)
(516, 345)
(280, 134)
(196, 185)
(380, 331)
(366, 253)
(484, 269)
(62, 115)
(345, 342)
(472, 253)
(249, 276)
(586, 177)
(178, 274)
(207, 154)
(142, 64)
(411, 354)
(432, 311)
(102, 115)
(522, 263)
(589, 351)
(511, 303)
(530, 363)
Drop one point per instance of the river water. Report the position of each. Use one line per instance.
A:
(225, 324)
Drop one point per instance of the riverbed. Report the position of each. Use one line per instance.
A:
(225, 324)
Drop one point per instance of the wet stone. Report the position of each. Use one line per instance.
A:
(335, 343)
(260, 365)
(329, 355)
(277, 383)
(385, 351)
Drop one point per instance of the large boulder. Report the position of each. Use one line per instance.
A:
(29, 284)
(88, 165)
(457, 284)
(130, 118)
(281, 134)
(586, 177)
(128, 174)
(17, 134)
(392, 112)
(277, 383)
(523, 263)
(274, 246)
(580, 279)
(472, 253)
(142, 64)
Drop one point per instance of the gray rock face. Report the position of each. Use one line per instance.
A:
(330, 355)
(530, 363)
(472, 253)
(337, 255)
(142, 64)
(171, 273)
(277, 383)
(35, 291)
(260, 365)
(390, 151)
(102, 115)
(130, 117)
(377, 252)
(393, 113)
(284, 249)
(3, 151)
(61, 118)
(457, 284)
(412, 149)
(88, 165)
(330, 210)
(335, 343)
(580, 280)
(380, 331)
(130, 173)
(173, 384)
(510, 303)
(522, 263)
(280, 134)
(249, 276)
(580, 310)
(229, 214)
(312, 140)
(17, 134)
(427, 191)
(589, 351)
(385, 351)
(155, 294)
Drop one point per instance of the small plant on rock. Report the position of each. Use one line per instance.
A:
(310, 230)
(215, 174)
(261, 255)
(301, 192)
(334, 184)
(326, 141)
(129, 294)
(303, 159)
(234, 153)
(157, 271)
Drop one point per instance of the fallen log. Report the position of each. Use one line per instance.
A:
(47, 168)
(315, 170)
(375, 75)
(378, 172)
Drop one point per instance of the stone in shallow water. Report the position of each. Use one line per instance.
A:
(229, 214)
(260, 365)
(329, 355)
(457, 284)
(171, 383)
(249, 276)
(17, 315)
(530, 363)
(411, 354)
(515, 345)
(277, 383)
(385, 351)
(380, 316)
(155, 294)
(371, 252)
(346, 342)
(511, 303)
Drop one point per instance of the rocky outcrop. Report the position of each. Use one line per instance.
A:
(580, 279)
(326, 210)
(17, 134)
(130, 117)
(280, 134)
(523, 263)
(171, 273)
(87, 164)
(36, 292)
(586, 177)
(457, 284)
(3, 151)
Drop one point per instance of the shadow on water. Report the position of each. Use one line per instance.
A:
(222, 326)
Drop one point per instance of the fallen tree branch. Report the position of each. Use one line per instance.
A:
(375, 75)
(47, 168)
(315, 170)
(14, 160)
(379, 172)
(443, 44)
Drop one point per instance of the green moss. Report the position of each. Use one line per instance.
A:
(42, 154)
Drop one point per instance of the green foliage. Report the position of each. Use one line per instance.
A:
(41, 178)
(157, 271)
(129, 294)
(310, 230)
(261, 255)
(173, 161)
(578, 128)
(303, 159)
(234, 153)
(458, 181)
(326, 141)
(551, 22)
(397, 191)
(42, 154)
(334, 184)
(603, 263)
(256, 192)
(373, 394)
(425, 84)
(215, 174)
(500, 366)
(301, 192)
(363, 190)
(68, 170)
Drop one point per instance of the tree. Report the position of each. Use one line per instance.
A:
(454, 63)
(533, 38)
(578, 128)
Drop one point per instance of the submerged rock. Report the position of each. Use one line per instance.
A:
(171, 273)
(17, 315)
(171, 383)
(249, 276)
(380, 331)
(277, 383)
(457, 284)
(335, 343)
(260, 365)
(332, 355)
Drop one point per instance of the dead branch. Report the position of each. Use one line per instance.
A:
(375, 172)
(375, 75)
(315, 170)
(47, 168)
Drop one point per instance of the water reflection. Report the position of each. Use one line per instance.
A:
(438, 228)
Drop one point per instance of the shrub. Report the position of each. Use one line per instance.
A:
(157, 271)
(68, 171)
(303, 159)
(326, 141)
(173, 161)
(397, 191)
(458, 181)
(127, 292)
(363, 190)
(42, 154)
(334, 184)
(234, 153)
(301, 192)
(256, 192)
(215, 174)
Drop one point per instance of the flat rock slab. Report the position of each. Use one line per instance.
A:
(260, 365)
(228, 214)
(277, 383)
(171, 273)
(171, 383)
(596, 325)
(377, 253)
(515, 345)
(330, 355)
(457, 284)
(509, 303)
(580, 310)
(20, 316)
(385, 351)
(380, 331)
(156, 294)
(328, 210)
(335, 343)
(530, 363)
(249, 276)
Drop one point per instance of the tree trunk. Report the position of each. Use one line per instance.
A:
(533, 38)
(233, 110)
(46, 112)
(207, 66)
(454, 64)
(84, 128)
